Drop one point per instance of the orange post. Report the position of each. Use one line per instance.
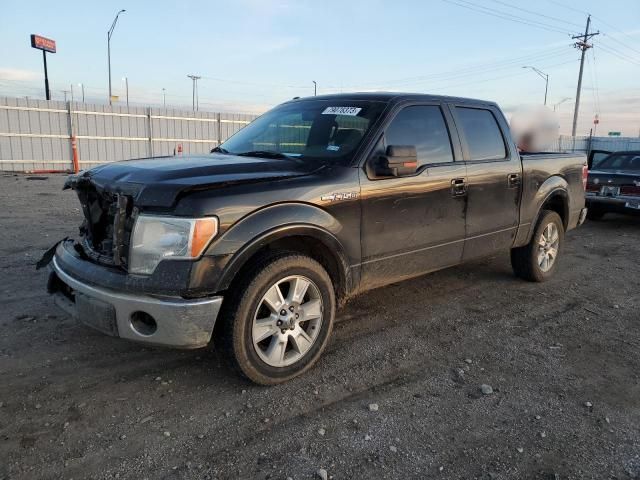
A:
(74, 151)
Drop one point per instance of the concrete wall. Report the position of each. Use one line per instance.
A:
(36, 134)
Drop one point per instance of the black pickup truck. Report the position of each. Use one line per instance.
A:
(257, 244)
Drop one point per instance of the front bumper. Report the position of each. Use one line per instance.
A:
(157, 320)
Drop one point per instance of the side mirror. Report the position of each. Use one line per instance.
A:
(399, 160)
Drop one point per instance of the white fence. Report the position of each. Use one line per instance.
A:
(566, 143)
(36, 135)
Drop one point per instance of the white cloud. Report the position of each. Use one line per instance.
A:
(18, 74)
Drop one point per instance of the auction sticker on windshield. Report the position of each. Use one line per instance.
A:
(351, 111)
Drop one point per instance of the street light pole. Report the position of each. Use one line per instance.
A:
(164, 98)
(545, 76)
(81, 85)
(109, 34)
(315, 88)
(555, 105)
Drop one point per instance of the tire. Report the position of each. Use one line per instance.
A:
(252, 310)
(528, 261)
(595, 214)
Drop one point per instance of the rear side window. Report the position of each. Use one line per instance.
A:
(425, 128)
(482, 133)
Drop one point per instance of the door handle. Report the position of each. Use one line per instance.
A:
(458, 187)
(513, 180)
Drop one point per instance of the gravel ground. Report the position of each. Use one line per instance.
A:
(561, 359)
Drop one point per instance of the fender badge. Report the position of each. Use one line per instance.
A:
(333, 197)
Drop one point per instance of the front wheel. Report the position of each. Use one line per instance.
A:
(538, 260)
(279, 319)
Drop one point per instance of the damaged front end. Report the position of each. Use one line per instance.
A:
(108, 222)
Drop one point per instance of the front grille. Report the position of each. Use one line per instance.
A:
(107, 226)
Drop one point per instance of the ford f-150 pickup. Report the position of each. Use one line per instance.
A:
(256, 244)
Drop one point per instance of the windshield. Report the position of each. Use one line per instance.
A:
(621, 161)
(313, 130)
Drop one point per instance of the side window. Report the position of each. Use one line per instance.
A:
(482, 133)
(425, 128)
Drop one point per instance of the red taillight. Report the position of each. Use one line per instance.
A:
(629, 190)
(593, 188)
(585, 175)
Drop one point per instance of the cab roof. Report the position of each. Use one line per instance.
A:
(392, 97)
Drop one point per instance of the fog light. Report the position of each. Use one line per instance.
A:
(143, 323)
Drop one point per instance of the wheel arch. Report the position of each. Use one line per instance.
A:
(300, 228)
(552, 195)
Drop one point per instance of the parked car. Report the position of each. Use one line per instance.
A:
(614, 186)
(317, 200)
(596, 156)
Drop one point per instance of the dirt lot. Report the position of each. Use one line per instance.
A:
(562, 358)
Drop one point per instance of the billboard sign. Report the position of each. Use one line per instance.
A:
(42, 43)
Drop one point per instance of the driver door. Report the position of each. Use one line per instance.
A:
(415, 223)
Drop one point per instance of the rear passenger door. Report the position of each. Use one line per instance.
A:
(494, 177)
(415, 223)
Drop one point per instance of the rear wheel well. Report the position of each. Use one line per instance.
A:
(305, 245)
(557, 203)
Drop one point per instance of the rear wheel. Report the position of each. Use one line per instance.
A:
(279, 318)
(538, 260)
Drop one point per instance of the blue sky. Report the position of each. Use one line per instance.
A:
(254, 54)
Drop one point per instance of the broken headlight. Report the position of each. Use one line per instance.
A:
(155, 238)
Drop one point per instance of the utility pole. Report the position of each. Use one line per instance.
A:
(583, 46)
(194, 93)
(109, 34)
(81, 85)
(65, 95)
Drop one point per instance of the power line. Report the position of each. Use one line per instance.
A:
(505, 15)
(555, 19)
(604, 22)
(593, 85)
(621, 43)
(476, 72)
(560, 4)
(595, 76)
(617, 54)
(501, 77)
(475, 68)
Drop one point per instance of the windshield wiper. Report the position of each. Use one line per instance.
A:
(219, 150)
(264, 154)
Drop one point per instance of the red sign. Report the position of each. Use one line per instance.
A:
(42, 43)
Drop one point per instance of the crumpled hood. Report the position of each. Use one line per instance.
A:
(157, 182)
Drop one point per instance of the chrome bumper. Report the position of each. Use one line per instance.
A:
(176, 322)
